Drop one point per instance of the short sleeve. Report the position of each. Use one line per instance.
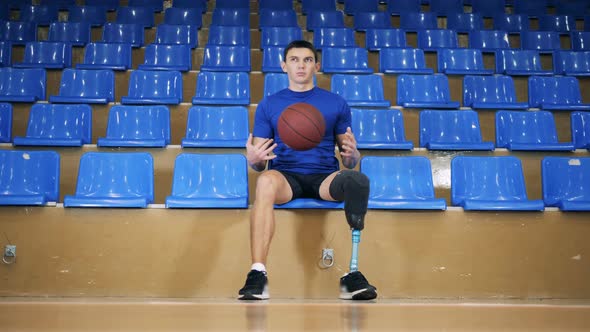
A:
(344, 118)
(262, 123)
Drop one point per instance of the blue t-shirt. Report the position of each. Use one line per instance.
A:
(320, 159)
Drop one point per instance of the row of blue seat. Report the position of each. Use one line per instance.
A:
(228, 127)
(107, 179)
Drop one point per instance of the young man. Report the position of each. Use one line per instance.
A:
(293, 174)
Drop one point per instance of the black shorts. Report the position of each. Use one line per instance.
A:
(305, 185)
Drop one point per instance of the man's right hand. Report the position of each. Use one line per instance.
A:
(258, 151)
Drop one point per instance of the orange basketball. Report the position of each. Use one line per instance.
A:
(301, 126)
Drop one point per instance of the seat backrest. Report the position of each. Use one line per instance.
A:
(226, 58)
(211, 179)
(143, 16)
(190, 4)
(565, 179)
(511, 23)
(464, 22)
(271, 59)
(488, 8)
(274, 82)
(155, 85)
(275, 5)
(345, 59)
(229, 35)
(5, 54)
(571, 62)
(449, 127)
(354, 7)
(399, 177)
(110, 5)
(394, 59)
(18, 33)
(359, 89)
(554, 90)
(371, 20)
(378, 39)
(460, 59)
(123, 33)
(429, 40)
(137, 123)
(5, 122)
(47, 55)
(489, 40)
(93, 15)
(86, 83)
(60, 121)
(310, 6)
(488, 89)
(112, 56)
(422, 88)
(279, 36)
(580, 40)
(580, 124)
(446, 7)
(487, 178)
(544, 41)
(184, 16)
(277, 18)
(231, 17)
(217, 126)
(232, 4)
(167, 57)
(576, 8)
(519, 60)
(400, 7)
(30, 177)
(525, 127)
(22, 85)
(532, 8)
(225, 88)
(377, 126)
(39, 14)
(177, 34)
(418, 21)
(334, 37)
(559, 23)
(75, 33)
(153, 5)
(325, 19)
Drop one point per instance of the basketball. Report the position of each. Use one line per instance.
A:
(301, 126)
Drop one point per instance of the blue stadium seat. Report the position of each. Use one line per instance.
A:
(5, 122)
(218, 181)
(418, 21)
(379, 129)
(137, 126)
(40, 15)
(222, 88)
(403, 61)
(350, 60)
(379, 39)
(154, 5)
(143, 16)
(580, 41)
(185, 16)
(96, 16)
(4, 12)
(114, 180)
(446, 7)
(462, 61)
(488, 8)
(400, 7)
(490, 183)
(61, 4)
(576, 8)
(529, 131)
(54, 55)
(424, 91)
(149, 87)
(333, 37)
(401, 183)
(16, 4)
(511, 23)
(324, 19)
(85, 86)
(232, 4)
(279, 36)
(490, 92)
(542, 41)
(216, 127)
(310, 6)
(226, 58)
(275, 5)
(556, 93)
(565, 183)
(360, 90)
(271, 59)
(24, 85)
(5, 54)
(75, 33)
(277, 18)
(433, 40)
(531, 8)
(190, 4)
(464, 22)
(372, 20)
(229, 35)
(489, 40)
(58, 125)
(580, 125)
(18, 33)
(451, 130)
(110, 5)
(123, 33)
(274, 82)
(354, 7)
(558, 23)
(177, 35)
(106, 56)
(519, 63)
(310, 203)
(29, 177)
(571, 63)
(167, 57)
(231, 17)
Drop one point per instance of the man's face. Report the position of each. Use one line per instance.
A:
(300, 65)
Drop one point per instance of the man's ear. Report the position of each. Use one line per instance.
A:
(317, 66)
(284, 66)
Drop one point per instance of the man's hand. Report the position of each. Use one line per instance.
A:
(348, 151)
(258, 152)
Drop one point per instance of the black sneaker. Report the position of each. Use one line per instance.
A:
(354, 286)
(256, 287)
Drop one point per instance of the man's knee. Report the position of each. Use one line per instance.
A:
(348, 181)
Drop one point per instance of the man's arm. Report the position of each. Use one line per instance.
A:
(348, 151)
(258, 152)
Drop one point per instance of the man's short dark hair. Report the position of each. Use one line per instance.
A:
(300, 44)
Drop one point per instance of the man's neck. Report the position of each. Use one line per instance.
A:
(300, 87)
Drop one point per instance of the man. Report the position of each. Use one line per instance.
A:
(293, 174)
